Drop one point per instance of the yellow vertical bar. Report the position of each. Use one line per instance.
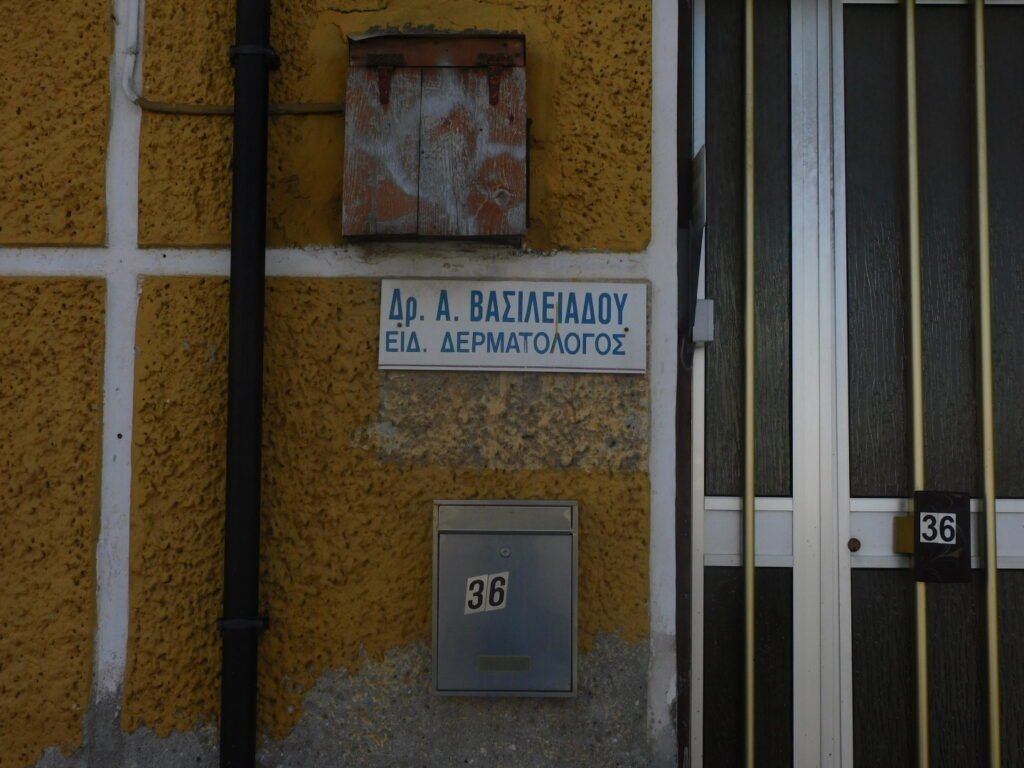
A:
(917, 371)
(749, 538)
(988, 440)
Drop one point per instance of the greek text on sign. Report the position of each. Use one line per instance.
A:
(513, 325)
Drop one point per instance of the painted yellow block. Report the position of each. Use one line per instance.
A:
(55, 59)
(589, 84)
(346, 525)
(51, 401)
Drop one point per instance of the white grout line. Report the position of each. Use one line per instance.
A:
(451, 261)
(53, 262)
(664, 356)
(112, 550)
(343, 261)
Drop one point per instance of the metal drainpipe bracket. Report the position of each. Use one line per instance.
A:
(258, 624)
(255, 50)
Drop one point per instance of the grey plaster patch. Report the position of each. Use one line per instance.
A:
(192, 749)
(101, 739)
(511, 420)
(663, 702)
(54, 758)
(386, 717)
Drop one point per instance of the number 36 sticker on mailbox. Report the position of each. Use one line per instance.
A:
(486, 592)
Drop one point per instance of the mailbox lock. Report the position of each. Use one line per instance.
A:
(504, 551)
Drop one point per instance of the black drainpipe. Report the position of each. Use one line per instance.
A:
(253, 58)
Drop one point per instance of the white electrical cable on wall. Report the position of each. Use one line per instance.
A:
(131, 55)
(130, 77)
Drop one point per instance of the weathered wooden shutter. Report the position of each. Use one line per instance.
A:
(435, 137)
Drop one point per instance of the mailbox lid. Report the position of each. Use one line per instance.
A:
(505, 516)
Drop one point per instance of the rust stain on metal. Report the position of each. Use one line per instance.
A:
(436, 137)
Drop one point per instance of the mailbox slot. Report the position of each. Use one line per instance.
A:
(435, 137)
(504, 619)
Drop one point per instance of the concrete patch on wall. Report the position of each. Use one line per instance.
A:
(195, 748)
(512, 420)
(51, 399)
(53, 757)
(143, 748)
(386, 717)
(589, 99)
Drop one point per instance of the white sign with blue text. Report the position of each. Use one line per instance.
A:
(504, 325)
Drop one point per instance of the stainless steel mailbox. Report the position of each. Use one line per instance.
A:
(505, 598)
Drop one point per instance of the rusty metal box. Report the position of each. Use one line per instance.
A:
(435, 137)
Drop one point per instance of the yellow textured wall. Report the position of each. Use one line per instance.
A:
(589, 83)
(346, 525)
(51, 399)
(54, 102)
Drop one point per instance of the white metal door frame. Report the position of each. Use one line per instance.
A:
(821, 606)
(697, 517)
(831, 97)
(810, 520)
